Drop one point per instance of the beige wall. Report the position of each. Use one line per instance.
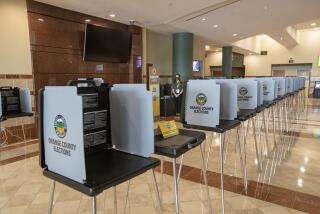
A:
(199, 53)
(159, 51)
(307, 51)
(212, 59)
(15, 55)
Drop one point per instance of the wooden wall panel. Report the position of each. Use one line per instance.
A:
(57, 38)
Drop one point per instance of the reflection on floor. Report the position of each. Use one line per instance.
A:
(294, 183)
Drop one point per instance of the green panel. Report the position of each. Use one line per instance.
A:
(182, 55)
(227, 62)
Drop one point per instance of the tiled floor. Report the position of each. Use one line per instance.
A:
(294, 184)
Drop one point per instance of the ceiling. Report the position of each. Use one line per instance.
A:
(245, 18)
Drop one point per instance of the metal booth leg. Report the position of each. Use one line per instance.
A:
(175, 182)
(204, 172)
(53, 187)
(115, 200)
(180, 167)
(243, 165)
(127, 196)
(256, 145)
(244, 141)
(94, 205)
(221, 172)
(157, 191)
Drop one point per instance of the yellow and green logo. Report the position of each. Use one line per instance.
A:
(201, 99)
(60, 126)
(243, 91)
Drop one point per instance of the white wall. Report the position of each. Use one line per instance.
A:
(15, 55)
(307, 51)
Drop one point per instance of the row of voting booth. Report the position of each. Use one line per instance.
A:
(95, 137)
(14, 102)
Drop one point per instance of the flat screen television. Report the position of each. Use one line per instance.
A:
(196, 65)
(106, 45)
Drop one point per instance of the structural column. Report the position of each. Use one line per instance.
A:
(182, 55)
(227, 62)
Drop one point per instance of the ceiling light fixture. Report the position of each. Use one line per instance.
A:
(250, 53)
(203, 19)
(235, 34)
(207, 46)
(217, 50)
(88, 20)
(215, 26)
(313, 24)
(302, 169)
(112, 15)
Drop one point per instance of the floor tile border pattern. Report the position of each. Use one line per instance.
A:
(265, 192)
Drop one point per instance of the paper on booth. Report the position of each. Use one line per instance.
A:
(247, 92)
(202, 103)
(63, 132)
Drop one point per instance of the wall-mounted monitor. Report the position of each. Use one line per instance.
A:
(106, 45)
(196, 66)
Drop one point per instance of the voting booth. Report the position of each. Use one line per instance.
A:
(93, 138)
(211, 105)
(15, 102)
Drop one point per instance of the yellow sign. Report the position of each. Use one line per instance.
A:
(168, 128)
(154, 87)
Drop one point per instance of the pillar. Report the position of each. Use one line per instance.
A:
(227, 62)
(182, 55)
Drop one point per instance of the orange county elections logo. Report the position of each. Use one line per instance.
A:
(201, 99)
(60, 126)
(243, 91)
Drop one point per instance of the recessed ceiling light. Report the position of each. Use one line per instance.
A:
(302, 169)
(215, 26)
(235, 34)
(88, 20)
(207, 46)
(40, 20)
(217, 50)
(112, 15)
(203, 19)
(313, 24)
(250, 53)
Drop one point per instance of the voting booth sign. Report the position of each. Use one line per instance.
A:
(202, 103)
(281, 83)
(63, 132)
(247, 92)
(268, 89)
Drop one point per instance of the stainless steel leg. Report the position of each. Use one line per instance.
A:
(205, 179)
(180, 167)
(127, 196)
(266, 131)
(221, 172)
(175, 183)
(244, 142)
(53, 187)
(94, 205)
(157, 191)
(256, 145)
(243, 165)
(115, 200)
